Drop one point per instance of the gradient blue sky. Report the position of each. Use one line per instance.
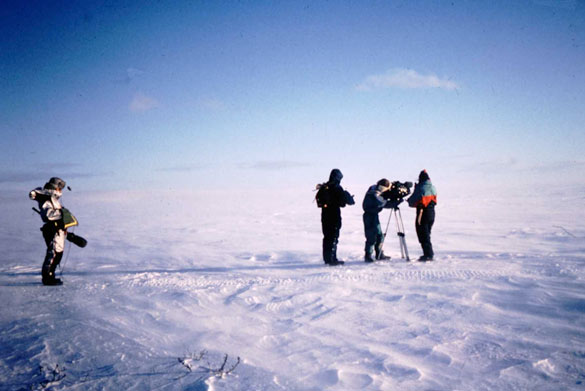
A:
(200, 94)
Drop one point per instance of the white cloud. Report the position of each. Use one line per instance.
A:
(405, 78)
(141, 103)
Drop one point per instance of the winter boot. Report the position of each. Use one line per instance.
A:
(49, 267)
(330, 259)
(368, 257)
(334, 260)
(326, 253)
(381, 256)
(52, 281)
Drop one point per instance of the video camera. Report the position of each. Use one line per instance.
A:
(398, 190)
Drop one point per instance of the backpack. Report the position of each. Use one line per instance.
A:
(68, 219)
(323, 196)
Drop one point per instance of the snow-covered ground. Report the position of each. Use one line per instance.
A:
(171, 283)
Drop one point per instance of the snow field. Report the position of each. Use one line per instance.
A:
(502, 308)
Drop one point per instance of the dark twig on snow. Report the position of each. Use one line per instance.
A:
(185, 364)
(221, 371)
(563, 228)
(189, 363)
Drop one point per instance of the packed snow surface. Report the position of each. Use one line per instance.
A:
(226, 290)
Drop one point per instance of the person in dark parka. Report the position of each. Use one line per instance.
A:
(373, 204)
(331, 216)
(424, 199)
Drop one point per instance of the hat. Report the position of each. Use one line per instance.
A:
(55, 184)
(423, 176)
(383, 182)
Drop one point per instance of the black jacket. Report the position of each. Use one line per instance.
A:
(339, 198)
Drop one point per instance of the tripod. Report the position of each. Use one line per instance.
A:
(399, 232)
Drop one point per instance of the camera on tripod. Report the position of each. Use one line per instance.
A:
(398, 190)
(395, 195)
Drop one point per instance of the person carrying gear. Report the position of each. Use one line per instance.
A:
(57, 219)
(424, 199)
(374, 202)
(330, 198)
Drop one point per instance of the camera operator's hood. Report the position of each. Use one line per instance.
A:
(335, 176)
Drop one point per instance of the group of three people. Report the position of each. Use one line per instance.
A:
(423, 198)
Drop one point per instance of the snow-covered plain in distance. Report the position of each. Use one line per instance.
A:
(171, 283)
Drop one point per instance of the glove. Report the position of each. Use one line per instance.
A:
(351, 200)
(348, 198)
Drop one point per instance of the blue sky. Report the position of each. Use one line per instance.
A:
(201, 94)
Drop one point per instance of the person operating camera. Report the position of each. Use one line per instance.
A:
(376, 199)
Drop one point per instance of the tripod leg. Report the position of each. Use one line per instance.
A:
(385, 232)
(399, 234)
(403, 248)
(402, 235)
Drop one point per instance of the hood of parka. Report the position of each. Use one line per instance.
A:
(335, 176)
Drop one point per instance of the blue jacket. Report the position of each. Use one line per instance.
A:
(423, 196)
(374, 202)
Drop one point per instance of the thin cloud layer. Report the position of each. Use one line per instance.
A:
(185, 168)
(561, 169)
(273, 165)
(141, 103)
(405, 79)
(129, 76)
(42, 176)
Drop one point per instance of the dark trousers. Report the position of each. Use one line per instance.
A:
(425, 218)
(373, 231)
(52, 256)
(331, 225)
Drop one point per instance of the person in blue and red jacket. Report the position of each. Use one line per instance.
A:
(424, 199)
